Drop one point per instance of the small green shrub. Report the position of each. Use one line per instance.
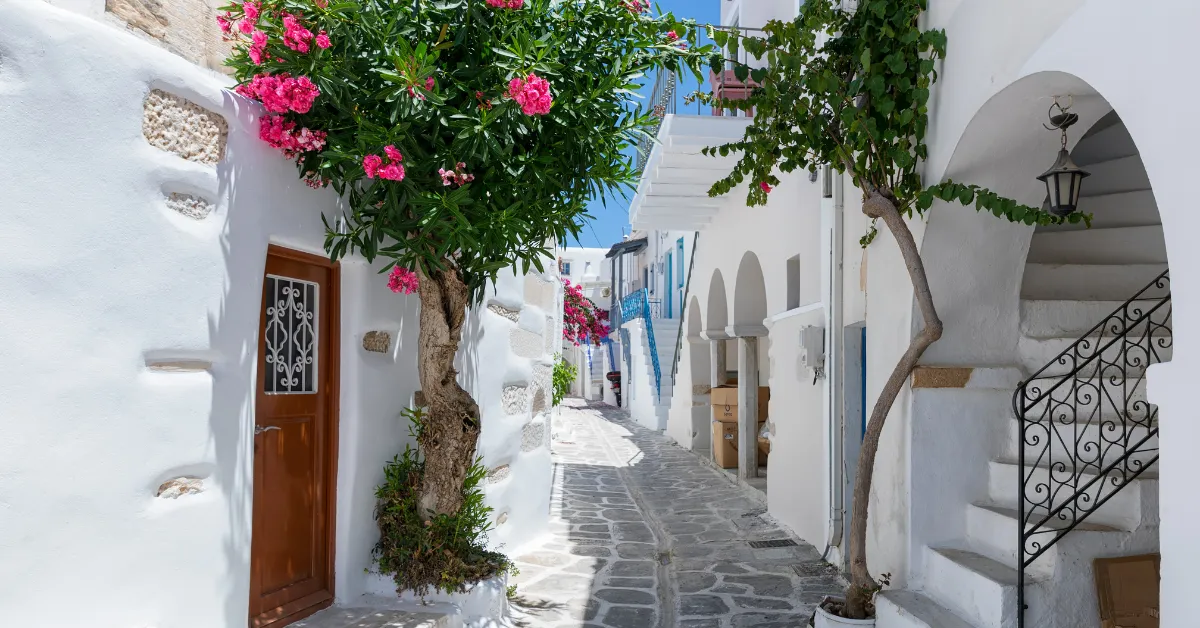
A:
(443, 552)
(564, 374)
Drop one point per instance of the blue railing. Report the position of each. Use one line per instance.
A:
(612, 356)
(637, 305)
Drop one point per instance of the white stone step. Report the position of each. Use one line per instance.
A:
(1125, 509)
(1047, 353)
(1090, 282)
(1125, 174)
(1062, 436)
(908, 609)
(992, 531)
(973, 586)
(1072, 319)
(1108, 144)
(1122, 209)
(1105, 394)
(1119, 245)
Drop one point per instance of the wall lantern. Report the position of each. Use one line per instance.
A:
(1064, 179)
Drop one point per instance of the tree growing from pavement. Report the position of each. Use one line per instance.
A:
(851, 89)
(466, 136)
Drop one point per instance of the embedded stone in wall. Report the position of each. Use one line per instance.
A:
(502, 518)
(182, 127)
(148, 16)
(500, 310)
(177, 366)
(539, 401)
(377, 341)
(533, 436)
(185, 27)
(525, 343)
(515, 399)
(178, 487)
(552, 334)
(701, 389)
(498, 474)
(190, 206)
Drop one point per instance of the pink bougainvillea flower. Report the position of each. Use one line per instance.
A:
(766, 187)
(672, 36)
(392, 172)
(323, 40)
(392, 153)
(371, 164)
(636, 6)
(506, 4)
(402, 280)
(532, 93)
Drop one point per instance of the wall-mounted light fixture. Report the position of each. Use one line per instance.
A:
(1064, 179)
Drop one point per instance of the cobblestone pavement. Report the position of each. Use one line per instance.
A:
(645, 534)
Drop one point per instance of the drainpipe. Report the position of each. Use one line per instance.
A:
(837, 428)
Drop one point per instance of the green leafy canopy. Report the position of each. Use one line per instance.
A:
(534, 175)
(848, 89)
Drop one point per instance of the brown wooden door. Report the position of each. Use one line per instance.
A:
(295, 440)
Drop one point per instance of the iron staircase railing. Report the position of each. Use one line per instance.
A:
(1087, 434)
(637, 305)
(687, 287)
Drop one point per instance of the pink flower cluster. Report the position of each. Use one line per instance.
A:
(402, 280)
(281, 93)
(296, 37)
(458, 176)
(636, 7)
(282, 134)
(506, 4)
(429, 85)
(766, 187)
(582, 320)
(373, 165)
(532, 93)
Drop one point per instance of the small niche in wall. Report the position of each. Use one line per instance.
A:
(793, 282)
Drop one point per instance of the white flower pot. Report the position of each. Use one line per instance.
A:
(829, 620)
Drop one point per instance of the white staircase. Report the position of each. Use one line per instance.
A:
(647, 406)
(1074, 279)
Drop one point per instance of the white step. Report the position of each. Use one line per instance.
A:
(992, 531)
(1116, 246)
(1111, 143)
(1088, 398)
(973, 586)
(1116, 175)
(1091, 282)
(1124, 510)
(1039, 353)
(1061, 437)
(1059, 319)
(1122, 209)
(908, 609)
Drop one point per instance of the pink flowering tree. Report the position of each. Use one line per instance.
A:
(467, 136)
(582, 320)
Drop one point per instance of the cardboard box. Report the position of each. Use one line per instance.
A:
(725, 445)
(1127, 590)
(725, 403)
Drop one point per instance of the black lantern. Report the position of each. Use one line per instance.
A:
(1064, 179)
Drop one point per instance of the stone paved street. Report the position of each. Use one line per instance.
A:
(647, 534)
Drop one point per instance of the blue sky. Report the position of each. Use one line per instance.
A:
(612, 220)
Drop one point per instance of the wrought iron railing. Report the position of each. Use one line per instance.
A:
(662, 103)
(687, 287)
(1086, 429)
(637, 305)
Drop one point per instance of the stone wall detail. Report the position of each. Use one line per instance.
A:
(498, 474)
(190, 206)
(533, 435)
(503, 312)
(515, 399)
(178, 487)
(187, 28)
(526, 344)
(184, 128)
(377, 342)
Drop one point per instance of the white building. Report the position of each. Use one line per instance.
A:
(144, 475)
(959, 518)
(587, 268)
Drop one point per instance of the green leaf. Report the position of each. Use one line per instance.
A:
(966, 196)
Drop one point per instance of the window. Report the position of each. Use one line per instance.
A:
(587, 268)
(566, 268)
(290, 337)
(793, 282)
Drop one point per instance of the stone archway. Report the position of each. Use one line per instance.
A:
(717, 315)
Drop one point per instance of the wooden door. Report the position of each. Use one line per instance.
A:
(295, 440)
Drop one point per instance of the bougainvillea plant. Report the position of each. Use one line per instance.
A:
(583, 322)
(466, 136)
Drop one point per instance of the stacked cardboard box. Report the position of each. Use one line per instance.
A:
(725, 425)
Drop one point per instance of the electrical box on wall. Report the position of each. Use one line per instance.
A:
(812, 349)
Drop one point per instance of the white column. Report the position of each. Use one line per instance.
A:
(747, 407)
(719, 373)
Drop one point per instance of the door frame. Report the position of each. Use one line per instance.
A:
(332, 379)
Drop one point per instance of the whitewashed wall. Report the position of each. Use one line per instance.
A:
(101, 273)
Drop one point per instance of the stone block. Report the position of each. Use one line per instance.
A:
(377, 341)
(504, 312)
(498, 474)
(178, 487)
(515, 399)
(533, 436)
(187, 28)
(526, 344)
(148, 16)
(184, 128)
(190, 206)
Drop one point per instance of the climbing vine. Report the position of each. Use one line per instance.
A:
(851, 89)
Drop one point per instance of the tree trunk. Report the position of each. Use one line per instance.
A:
(451, 427)
(862, 585)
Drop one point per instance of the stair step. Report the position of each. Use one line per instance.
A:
(1122, 209)
(1115, 246)
(1037, 354)
(1124, 174)
(1108, 144)
(1071, 319)
(1088, 398)
(909, 609)
(992, 531)
(1089, 282)
(972, 586)
(1088, 435)
(1123, 510)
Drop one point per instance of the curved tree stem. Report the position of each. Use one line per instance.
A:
(862, 585)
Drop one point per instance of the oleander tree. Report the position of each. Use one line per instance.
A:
(850, 89)
(466, 136)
